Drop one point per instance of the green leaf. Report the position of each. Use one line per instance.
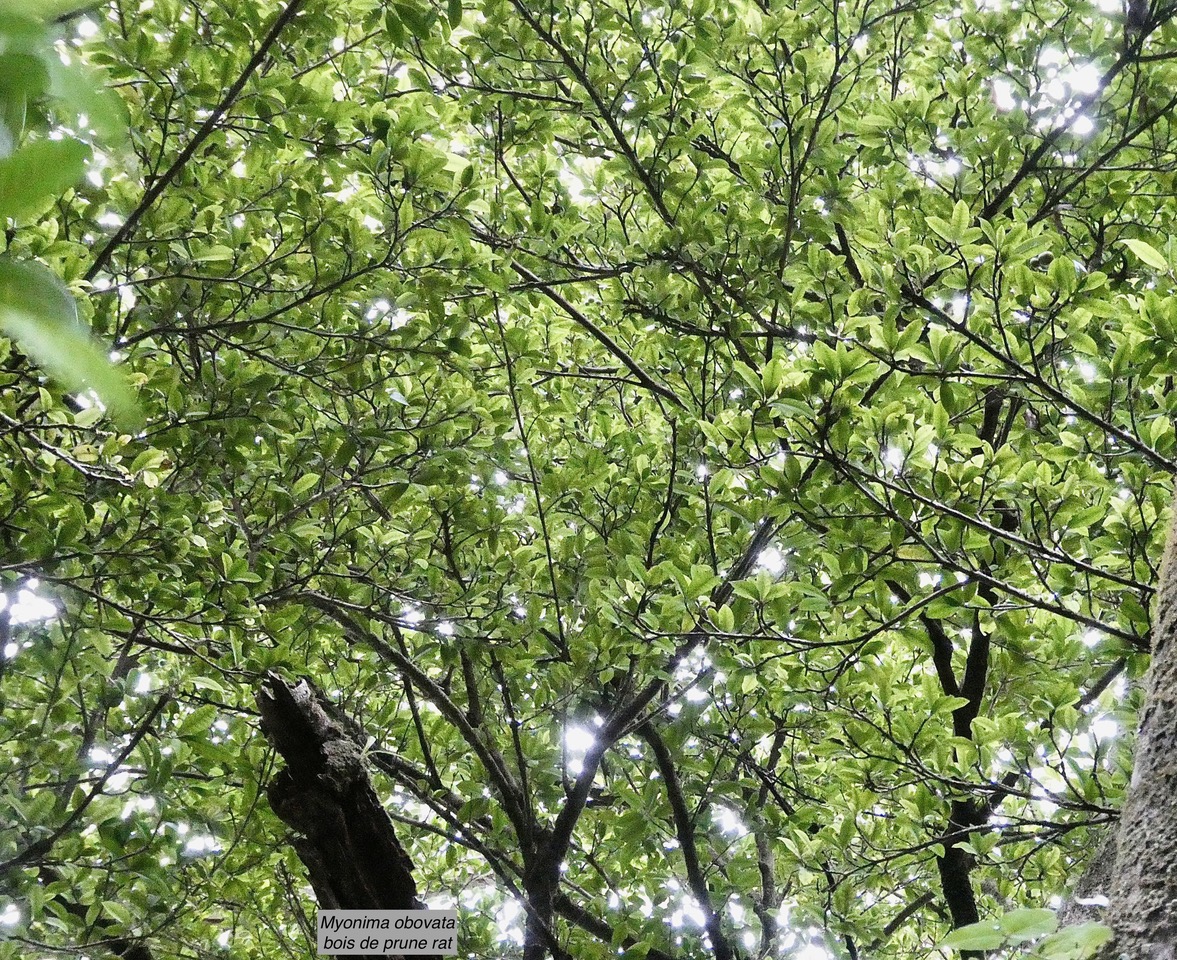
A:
(1027, 923)
(961, 217)
(724, 619)
(33, 176)
(217, 253)
(23, 78)
(198, 721)
(1078, 942)
(454, 12)
(85, 92)
(395, 27)
(1147, 253)
(976, 936)
(38, 312)
(305, 483)
(944, 229)
(419, 20)
(38, 9)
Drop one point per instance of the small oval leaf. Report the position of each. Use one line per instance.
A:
(1147, 254)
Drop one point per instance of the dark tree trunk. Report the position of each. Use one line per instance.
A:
(343, 835)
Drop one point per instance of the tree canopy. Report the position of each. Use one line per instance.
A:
(713, 452)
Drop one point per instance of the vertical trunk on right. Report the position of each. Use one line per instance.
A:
(1143, 911)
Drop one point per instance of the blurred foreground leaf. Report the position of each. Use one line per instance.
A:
(32, 177)
(37, 311)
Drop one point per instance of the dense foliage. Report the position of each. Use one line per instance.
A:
(716, 451)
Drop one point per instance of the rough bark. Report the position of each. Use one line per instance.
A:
(1089, 897)
(1143, 911)
(343, 835)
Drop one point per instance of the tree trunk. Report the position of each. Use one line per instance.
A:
(343, 835)
(1143, 912)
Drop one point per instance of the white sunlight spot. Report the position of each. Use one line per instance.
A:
(508, 922)
(1003, 95)
(771, 560)
(1105, 728)
(1055, 88)
(576, 185)
(378, 309)
(118, 782)
(1082, 125)
(729, 822)
(579, 739)
(201, 844)
(11, 915)
(27, 606)
(689, 912)
(1085, 78)
(136, 804)
(87, 400)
